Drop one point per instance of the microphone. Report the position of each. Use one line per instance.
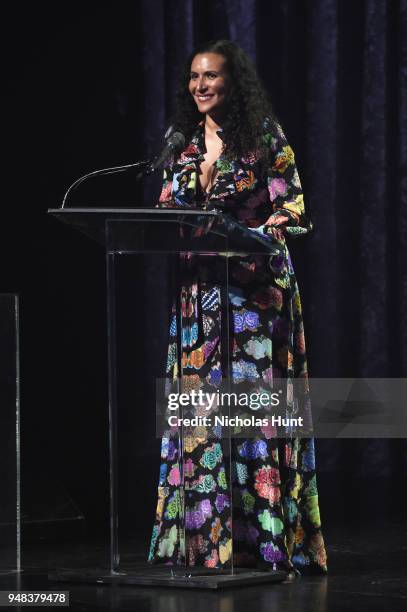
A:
(101, 172)
(175, 142)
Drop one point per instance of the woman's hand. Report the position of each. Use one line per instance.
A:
(277, 219)
(275, 225)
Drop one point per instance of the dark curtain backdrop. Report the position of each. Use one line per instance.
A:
(91, 86)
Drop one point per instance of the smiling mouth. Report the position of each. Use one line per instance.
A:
(205, 97)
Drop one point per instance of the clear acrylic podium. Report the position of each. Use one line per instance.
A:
(10, 510)
(190, 239)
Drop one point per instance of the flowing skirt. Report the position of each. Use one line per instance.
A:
(260, 505)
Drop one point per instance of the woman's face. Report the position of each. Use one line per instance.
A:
(209, 82)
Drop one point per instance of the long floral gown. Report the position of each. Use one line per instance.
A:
(273, 516)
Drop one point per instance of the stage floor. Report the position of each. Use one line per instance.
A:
(367, 571)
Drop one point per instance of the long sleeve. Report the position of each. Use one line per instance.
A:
(284, 184)
(166, 191)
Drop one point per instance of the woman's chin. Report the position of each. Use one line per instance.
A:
(205, 107)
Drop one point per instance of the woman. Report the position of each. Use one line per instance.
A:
(237, 157)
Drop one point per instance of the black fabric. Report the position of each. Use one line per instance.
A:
(94, 87)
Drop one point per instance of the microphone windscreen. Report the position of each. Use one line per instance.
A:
(169, 132)
(177, 140)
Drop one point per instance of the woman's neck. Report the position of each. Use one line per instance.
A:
(212, 124)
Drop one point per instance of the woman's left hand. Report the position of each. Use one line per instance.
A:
(275, 225)
(277, 219)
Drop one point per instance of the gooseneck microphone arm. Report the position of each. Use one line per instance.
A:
(101, 172)
(175, 141)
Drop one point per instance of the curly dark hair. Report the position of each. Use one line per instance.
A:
(247, 102)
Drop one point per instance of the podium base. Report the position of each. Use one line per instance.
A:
(190, 578)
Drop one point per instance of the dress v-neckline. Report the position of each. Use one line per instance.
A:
(202, 150)
(207, 191)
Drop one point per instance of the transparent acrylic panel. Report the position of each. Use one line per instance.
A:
(163, 235)
(195, 494)
(200, 330)
(165, 269)
(9, 435)
(149, 322)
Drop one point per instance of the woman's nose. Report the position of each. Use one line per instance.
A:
(202, 84)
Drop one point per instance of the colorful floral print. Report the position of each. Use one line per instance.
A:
(261, 503)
